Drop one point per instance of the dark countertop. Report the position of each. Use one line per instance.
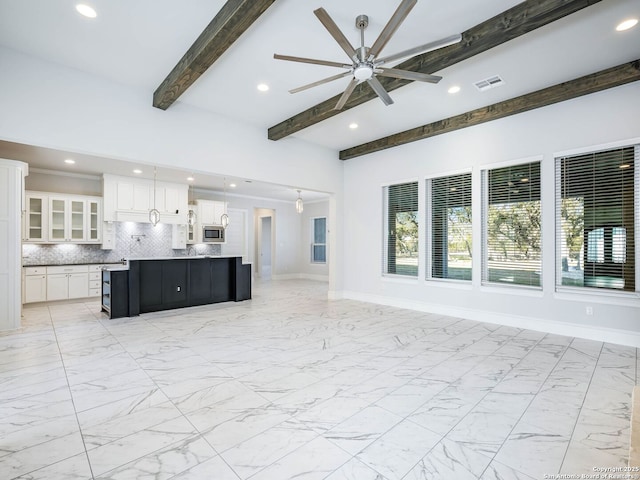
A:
(65, 263)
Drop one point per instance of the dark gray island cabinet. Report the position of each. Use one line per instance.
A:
(164, 284)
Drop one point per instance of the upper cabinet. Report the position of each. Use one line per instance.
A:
(208, 212)
(35, 218)
(56, 218)
(130, 199)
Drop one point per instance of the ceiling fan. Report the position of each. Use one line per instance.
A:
(365, 64)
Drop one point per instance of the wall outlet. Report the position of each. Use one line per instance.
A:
(589, 310)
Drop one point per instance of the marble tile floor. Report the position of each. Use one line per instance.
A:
(291, 385)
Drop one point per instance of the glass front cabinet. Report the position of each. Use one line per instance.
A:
(53, 218)
(35, 218)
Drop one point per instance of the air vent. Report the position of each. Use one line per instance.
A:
(491, 82)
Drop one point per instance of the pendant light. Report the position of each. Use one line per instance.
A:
(224, 218)
(299, 204)
(154, 214)
(191, 214)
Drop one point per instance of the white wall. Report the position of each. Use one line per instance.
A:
(286, 224)
(590, 121)
(48, 105)
(76, 185)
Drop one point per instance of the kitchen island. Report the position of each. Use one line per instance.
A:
(154, 284)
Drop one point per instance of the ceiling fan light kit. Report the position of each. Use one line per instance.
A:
(365, 65)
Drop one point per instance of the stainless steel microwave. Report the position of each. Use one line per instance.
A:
(213, 234)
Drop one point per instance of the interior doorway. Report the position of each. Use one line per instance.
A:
(264, 243)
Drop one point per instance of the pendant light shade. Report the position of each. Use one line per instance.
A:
(224, 218)
(191, 214)
(154, 214)
(191, 217)
(299, 204)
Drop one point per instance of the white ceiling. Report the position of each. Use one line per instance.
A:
(138, 42)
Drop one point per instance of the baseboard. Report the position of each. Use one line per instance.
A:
(300, 276)
(601, 334)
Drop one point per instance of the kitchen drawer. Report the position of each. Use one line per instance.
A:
(95, 275)
(95, 292)
(96, 268)
(94, 284)
(67, 269)
(35, 270)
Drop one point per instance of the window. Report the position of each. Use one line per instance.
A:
(451, 235)
(511, 225)
(595, 220)
(319, 235)
(400, 256)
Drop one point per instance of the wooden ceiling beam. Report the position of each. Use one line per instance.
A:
(510, 24)
(595, 82)
(233, 19)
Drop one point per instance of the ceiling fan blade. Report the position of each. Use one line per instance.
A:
(347, 93)
(335, 32)
(428, 47)
(408, 75)
(310, 60)
(380, 91)
(392, 25)
(320, 82)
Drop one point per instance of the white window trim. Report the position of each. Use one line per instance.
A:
(427, 230)
(484, 207)
(384, 233)
(313, 243)
(597, 295)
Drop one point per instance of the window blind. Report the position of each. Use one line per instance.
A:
(596, 219)
(319, 245)
(511, 229)
(451, 228)
(400, 246)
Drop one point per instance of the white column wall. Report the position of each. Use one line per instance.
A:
(11, 198)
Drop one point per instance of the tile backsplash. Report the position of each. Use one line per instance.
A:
(132, 240)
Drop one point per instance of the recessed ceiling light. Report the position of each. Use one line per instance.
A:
(353, 126)
(86, 10)
(190, 179)
(454, 89)
(625, 165)
(524, 180)
(137, 171)
(263, 87)
(232, 185)
(69, 161)
(627, 24)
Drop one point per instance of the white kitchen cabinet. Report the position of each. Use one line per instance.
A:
(67, 281)
(56, 218)
(130, 199)
(94, 220)
(108, 236)
(210, 212)
(95, 280)
(132, 196)
(179, 237)
(34, 285)
(36, 216)
(61, 282)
